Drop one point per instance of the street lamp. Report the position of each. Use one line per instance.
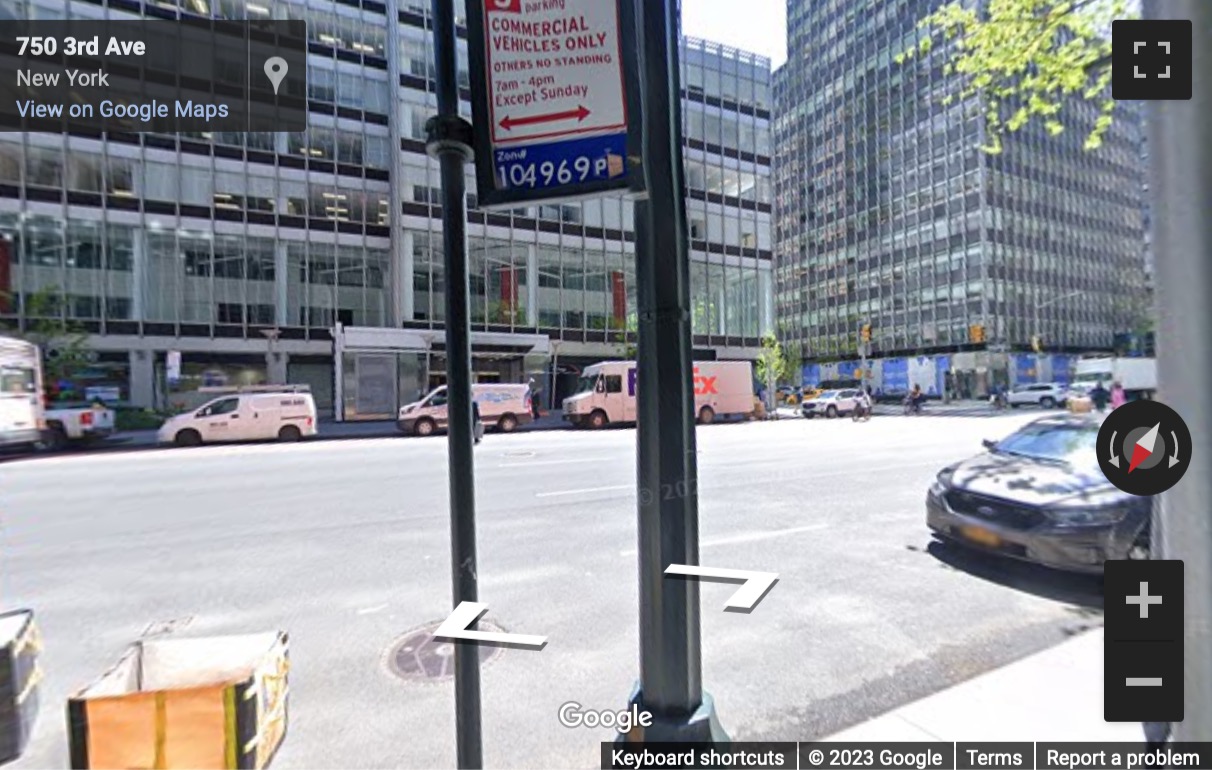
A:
(1038, 337)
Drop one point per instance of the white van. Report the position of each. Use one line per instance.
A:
(284, 413)
(606, 393)
(502, 406)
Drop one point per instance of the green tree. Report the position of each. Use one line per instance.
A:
(771, 365)
(63, 342)
(1026, 60)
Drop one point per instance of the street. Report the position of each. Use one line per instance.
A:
(345, 545)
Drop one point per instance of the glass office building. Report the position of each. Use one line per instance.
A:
(889, 214)
(316, 257)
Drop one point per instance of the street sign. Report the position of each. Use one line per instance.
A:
(550, 102)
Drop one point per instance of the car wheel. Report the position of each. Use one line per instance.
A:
(289, 433)
(831, 411)
(55, 439)
(424, 427)
(188, 437)
(1013, 405)
(507, 423)
(1047, 402)
(598, 420)
(706, 416)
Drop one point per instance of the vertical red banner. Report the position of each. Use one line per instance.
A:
(618, 291)
(6, 275)
(509, 288)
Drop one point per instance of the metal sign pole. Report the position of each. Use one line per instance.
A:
(449, 139)
(670, 686)
(1181, 184)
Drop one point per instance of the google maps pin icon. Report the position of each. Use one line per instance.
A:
(275, 70)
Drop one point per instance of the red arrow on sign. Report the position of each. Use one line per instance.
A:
(580, 113)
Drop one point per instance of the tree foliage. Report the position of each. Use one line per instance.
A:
(62, 342)
(1025, 59)
(772, 363)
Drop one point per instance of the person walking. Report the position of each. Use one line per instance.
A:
(1099, 396)
(1118, 396)
(535, 410)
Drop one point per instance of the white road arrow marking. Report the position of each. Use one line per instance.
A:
(745, 599)
(1174, 455)
(1114, 456)
(455, 628)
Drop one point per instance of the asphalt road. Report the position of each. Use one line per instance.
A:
(345, 545)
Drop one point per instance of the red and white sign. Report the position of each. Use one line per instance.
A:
(555, 69)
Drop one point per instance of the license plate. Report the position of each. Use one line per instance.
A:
(982, 536)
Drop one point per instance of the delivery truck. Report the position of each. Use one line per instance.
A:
(1138, 376)
(606, 393)
(22, 411)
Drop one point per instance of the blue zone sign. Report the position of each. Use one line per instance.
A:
(552, 112)
(561, 164)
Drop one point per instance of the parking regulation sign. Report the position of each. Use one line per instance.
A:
(549, 99)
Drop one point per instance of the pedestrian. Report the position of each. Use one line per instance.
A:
(477, 427)
(1099, 396)
(535, 412)
(1118, 397)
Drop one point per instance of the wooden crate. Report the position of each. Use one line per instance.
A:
(216, 703)
(19, 679)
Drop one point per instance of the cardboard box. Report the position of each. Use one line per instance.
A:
(20, 675)
(1080, 405)
(216, 703)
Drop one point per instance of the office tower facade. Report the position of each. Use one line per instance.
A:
(316, 257)
(890, 218)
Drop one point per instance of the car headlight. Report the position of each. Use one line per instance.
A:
(1102, 508)
(942, 482)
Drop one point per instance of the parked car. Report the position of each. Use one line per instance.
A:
(1038, 495)
(503, 406)
(256, 413)
(1045, 394)
(831, 403)
(77, 424)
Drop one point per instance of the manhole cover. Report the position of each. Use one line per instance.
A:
(418, 656)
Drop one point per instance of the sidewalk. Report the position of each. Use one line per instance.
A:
(330, 430)
(1054, 695)
(969, 408)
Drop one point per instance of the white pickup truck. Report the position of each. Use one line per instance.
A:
(77, 425)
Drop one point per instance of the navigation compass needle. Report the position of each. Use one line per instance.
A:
(1145, 445)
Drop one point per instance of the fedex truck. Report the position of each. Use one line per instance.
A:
(606, 393)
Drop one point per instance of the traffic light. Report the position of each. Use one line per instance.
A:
(866, 333)
(976, 333)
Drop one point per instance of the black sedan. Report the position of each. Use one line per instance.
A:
(1038, 495)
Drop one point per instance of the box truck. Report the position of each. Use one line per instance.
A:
(1138, 376)
(606, 393)
(22, 411)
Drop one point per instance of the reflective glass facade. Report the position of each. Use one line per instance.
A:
(199, 242)
(888, 212)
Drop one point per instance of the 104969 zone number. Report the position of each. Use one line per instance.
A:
(550, 173)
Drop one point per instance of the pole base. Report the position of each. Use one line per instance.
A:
(703, 726)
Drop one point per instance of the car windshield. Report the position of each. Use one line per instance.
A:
(586, 383)
(1073, 444)
(828, 394)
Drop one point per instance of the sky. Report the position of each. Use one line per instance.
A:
(759, 26)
